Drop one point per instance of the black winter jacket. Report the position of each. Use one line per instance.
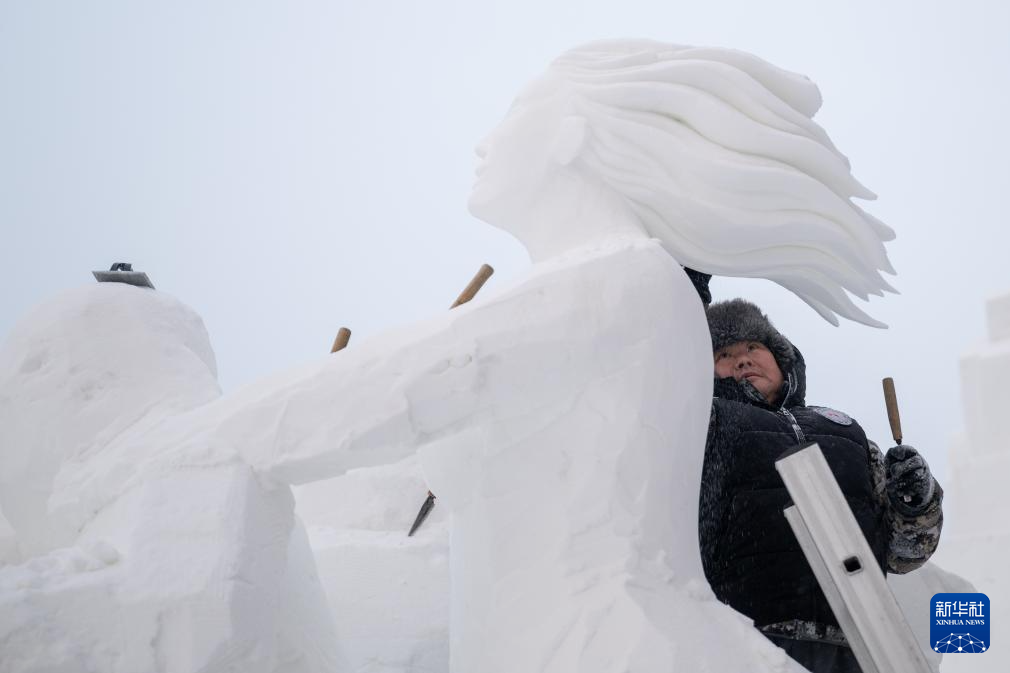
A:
(749, 552)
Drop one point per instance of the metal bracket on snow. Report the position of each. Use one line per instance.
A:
(122, 272)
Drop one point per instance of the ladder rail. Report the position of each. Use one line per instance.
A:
(846, 568)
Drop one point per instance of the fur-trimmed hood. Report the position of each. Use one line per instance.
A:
(739, 320)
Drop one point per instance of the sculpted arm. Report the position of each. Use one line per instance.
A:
(361, 407)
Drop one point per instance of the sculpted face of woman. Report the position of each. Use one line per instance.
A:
(753, 361)
(517, 159)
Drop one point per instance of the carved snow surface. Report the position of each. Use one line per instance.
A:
(561, 421)
(178, 564)
(558, 440)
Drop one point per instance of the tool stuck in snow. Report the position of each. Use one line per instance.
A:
(343, 336)
(468, 293)
(422, 513)
(122, 272)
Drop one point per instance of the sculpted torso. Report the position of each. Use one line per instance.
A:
(582, 427)
(560, 422)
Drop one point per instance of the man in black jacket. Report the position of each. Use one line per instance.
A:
(749, 552)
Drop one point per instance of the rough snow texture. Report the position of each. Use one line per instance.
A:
(181, 565)
(76, 373)
(976, 541)
(389, 593)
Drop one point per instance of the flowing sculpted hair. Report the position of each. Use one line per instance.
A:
(716, 152)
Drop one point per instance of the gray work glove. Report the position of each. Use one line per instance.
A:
(909, 481)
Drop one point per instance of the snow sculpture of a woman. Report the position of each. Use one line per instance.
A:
(563, 420)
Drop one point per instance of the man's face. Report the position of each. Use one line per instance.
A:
(753, 361)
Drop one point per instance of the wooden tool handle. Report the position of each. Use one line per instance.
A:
(891, 400)
(343, 336)
(475, 285)
(468, 293)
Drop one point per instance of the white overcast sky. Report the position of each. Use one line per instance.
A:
(286, 168)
